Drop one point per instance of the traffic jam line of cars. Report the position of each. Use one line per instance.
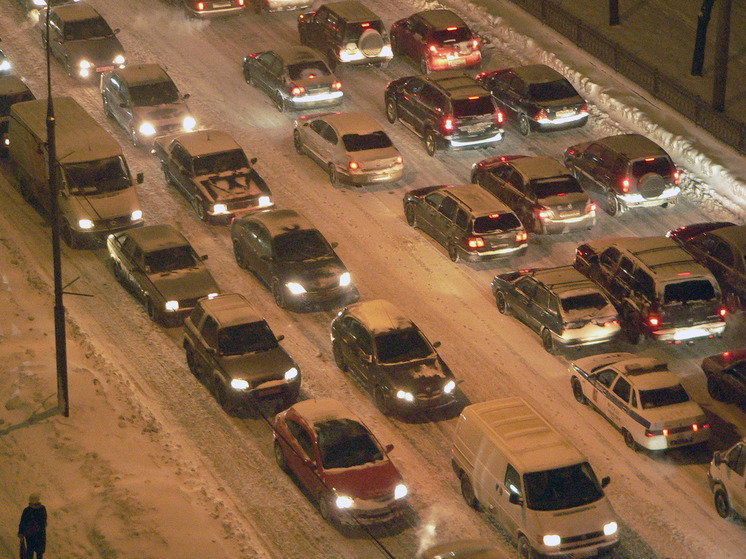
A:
(672, 289)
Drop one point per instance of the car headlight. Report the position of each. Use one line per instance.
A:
(5, 66)
(290, 374)
(345, 279)
(401, 491)
(404, 395)
(220, 209)
(239, 384)
(84, 64)
(85, 224)
(39, 3)
(552, 540)
(137, 214)
(264, 201)
(147, 129)
(172, 306)
(189, 123)
(450, 385)
(344, 502)
(610, 528)
(119, 59)
(295, 288)
(212, 295)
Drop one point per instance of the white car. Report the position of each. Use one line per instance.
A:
(352, 147)
(728, 482)
(642, 398)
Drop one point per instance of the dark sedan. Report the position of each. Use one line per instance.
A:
(726, 375)
(293, 258)
(296, 78)
(392, 358)
(540, 97)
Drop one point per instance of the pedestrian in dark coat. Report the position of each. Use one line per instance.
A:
(33, 527)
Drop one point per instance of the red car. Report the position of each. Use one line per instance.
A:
(339, 461)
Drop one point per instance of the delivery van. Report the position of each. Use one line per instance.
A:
(517, 467)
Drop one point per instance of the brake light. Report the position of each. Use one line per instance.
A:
(337, 86)
(684, 274)
(475, 43)
(451, 28)
(665, 432)
(625, 185)
(654, 321)
(473, 97)
(543, 213)
(475, 242)
(365, 24)
(590, 207)
(521, 236)
(399, 159)
(353, 166)
(200, 6)
(650, 159)
(499, 116)
(241, 2)
(541, 115)
(433, 48)
(584, 108)
(676, 177)
(723, 311)
(448, 124)
(297, 90)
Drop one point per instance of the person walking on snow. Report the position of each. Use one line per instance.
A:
(33, 527)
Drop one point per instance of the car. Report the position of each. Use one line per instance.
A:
(234, 352)
(436, 40)
(295, 77)
(203, 10)
(37, 8)
(628, 171)
(561, 304)
(642, 398)
(213, 173)
(393, 359)
(723, 252)
(339, 462)
(12, 90)
(727, 481)
(144, 101)
(463, 549)
(352, 147)
(469, 222)
(540, 98)
(448, 110)
(347, 32)
(686, 232)
(726, 375)
(163, 270)
(540, 190)
(660, 291)
(81, 40)
(280, 5)
(293, 258)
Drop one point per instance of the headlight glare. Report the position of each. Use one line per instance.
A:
(345, 279)
(610, 529)
(551, 540)
(295, 288)
(403, 395)
(172, 306)
(119, 59)
(264, 201)
(85, 224)
(137, 214)
(147, 129)
(290, 374)
(4, 66)
(400, 491)
(220, 209)
(344, 502)
(450, 385)
(189, 123)
(239, 384)
(84, 64)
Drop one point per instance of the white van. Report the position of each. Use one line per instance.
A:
(727, 478)
(517, 467)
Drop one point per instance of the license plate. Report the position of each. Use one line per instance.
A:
(568, 214)
(562, 114)
(221, 5)
(685, 440)
(457, 62)
(100, 69)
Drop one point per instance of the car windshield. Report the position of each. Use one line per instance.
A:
(583, 302)
(658, 165)
(686, 292)
(400, 346)
(7, 100)
(451, 35)
(563, 488)
(555, 186)
(170, 259)
(158, 93)
(304, 244)
(216, 163)
(361, 142)
(482, 105)
(496, 222)
(660, 397)
(345, 443)
(310, 69)
(97, 177)
(82, 29)
(246, 338)
(551, 91)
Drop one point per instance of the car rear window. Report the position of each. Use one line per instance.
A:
(660, 397)
(582, 302)
(450, 35)
(685, 292)
(658, 165)
(555, 186)
(481, 105)
(550, 91)
(496, 222)
(354, 30)
(360, 142)
(304, 70)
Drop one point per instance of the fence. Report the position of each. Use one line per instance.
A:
(722, 126)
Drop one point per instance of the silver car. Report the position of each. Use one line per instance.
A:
(352, 147)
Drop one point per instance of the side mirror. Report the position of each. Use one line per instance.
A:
(280, 337)
(436, 345)
(203, 257)
(334, 244)
(388, 448)
(515, 499)
(717, 459)
(253, 160)
(116, 30)
(605, 481)
(140, 178)
(186, 96)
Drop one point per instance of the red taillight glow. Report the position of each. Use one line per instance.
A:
(399, 159)
(200, 6)
(590, 207)
(475, 242)
(475, 43)
(521, 236)
(665, 432)
(625, 185)
(684, 274)
(473, 97)
(541, 115)
(433, 48)
(353, 166)
(337, 86)
(241, 2)
(451, 28)
(650, 159)
(448, 123)
(543, 213)
(499, 116)
(654, 321)
(365, 25)
(676, 177)
(723, 311)
(584, 108)
(297, 90)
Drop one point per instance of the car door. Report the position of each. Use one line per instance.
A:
(519, 298)
(126, 251)
(181, 169)
(302, 458)
(602, 271)
(720, 257)
(330, 146)
(735, 478)
(428, 218)
(499, 85)
(515, 93)
(264, 264)
(56, 36)
(312, 139)
(207, 348)
(494, 182)
(537, 311)
(409, 98)
(404, 37)
(617, 403)
(599, 387)
(622, 280)
(124, 107)
(261, 69)
(733, 380)
(511, 515)
(444, 220)
(246, 241)
(586, 165)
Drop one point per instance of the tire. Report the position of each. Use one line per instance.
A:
(392, 111)
(199, 206)
(278, 295)
(453, 253)
(410, 215)
(240, 260)
(722, 504)
(280, 457)
(547, 341)
(501, 303)
(381, 400)
(612, 204)
(325, 509)
(716, 392)
(430, 142)
(116, 268)
(224, 399)
(333, 175)
(467, 492)
(153, 312)
(524, 549)
(629, 440)
(339, 358)
(524, 125)
(297, 142)
(577, 391)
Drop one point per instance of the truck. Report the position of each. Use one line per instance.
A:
(97, 195)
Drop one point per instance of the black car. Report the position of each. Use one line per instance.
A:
(293, 258)
(82, 40)
(539, 97)
(12, 90)
(726, 375)
(561, 304)
(392, 358)
(448, 110)
(686, 232)
(296, 78)
(471, 223)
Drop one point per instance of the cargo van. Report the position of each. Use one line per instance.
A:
(96, 190)
(514, 465)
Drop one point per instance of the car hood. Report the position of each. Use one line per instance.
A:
(318, 273)
(369, 481)
(419, 374)
(576, 521)
(190, 283)
(162, 113)
(258, 366)
(97, 51)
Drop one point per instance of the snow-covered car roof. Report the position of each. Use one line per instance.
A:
(76, 11)
(298, 53)
(441, 18)
(11, 85)
(458, 84)
(537, 73)
(203, 142)
(352, 123)
(230, 309)
(564, 279)
(379, 316)
(352, 11)
(319, 410)
(634, 146)
(478, 199)
(538, 167)
(645, 373)
(280, 221)
(736, 235)
(143, 73)
(156, 237)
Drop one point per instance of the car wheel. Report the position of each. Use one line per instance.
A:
(277, 293)
(501, 303)
(547, 341)
(247, 75)
(224, 398)
(392, 112)
(629, 440)
(280, 457)
(715, 390)
(453, 252)
(382, 400)
(722, 504)
(69, 236)
(116, 268)
(297, 142)
(409, 214)
(339, 357)
(467, 491)
(199, 206)
(325, 509)
(524, 125)
(424, 69)
(279, 101)
(333, 175)
(238, 254)
(524, 549)
(612, 203)
(430, 142)
(577, 391)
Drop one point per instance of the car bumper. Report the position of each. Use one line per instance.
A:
(316, 101)
(660, 442)
(474, 256)
(674, 335)
(271, 389)
(639, 201)
(391, 174)
(557, 226)
(456, 144)
(358, 58)
(562, 123)
(285, 5)
(590, 334)
(215, 12)
(229, 216)
(581, 550)
(335, 295)
(422, 404)
(371, 512)
(468, 61)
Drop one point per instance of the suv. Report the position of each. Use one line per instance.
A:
(12, 90)
(726, 376)
(233, 351)
(659, 290)
(82, 40)
(727, 480)
(468, 221)
(145, 102)
(198, 9)
(447, 110)
(436, 40)
(628, 170)
(543, 193)
(347, 32)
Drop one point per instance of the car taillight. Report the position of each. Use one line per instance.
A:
(584, 108)
(241, 3)
(625, 185)
(590, 207)
(433, 49)
(475, 44)
(200, 6)
(398, 159)
(475, 242)
(297, 90)
(654, 321)
(723, 311)
(521, 236)
(543, 213)
(499, 117)
(353, 165)
(676, 177)
(448, 124)
(337, 86)
(541, 115)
